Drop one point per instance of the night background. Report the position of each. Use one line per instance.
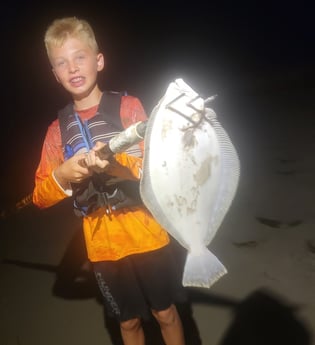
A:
(238, 50)
(257, 56)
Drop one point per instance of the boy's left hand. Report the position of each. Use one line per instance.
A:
(95, 161)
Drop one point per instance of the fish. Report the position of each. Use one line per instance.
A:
(190, 176)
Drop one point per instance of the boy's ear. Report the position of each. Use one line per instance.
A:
(100, 62)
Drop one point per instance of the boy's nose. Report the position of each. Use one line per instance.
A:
(73, 67)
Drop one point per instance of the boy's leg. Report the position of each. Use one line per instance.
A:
(132, 332)
(171, 325)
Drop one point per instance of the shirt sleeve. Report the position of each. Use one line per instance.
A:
(47, 191)
(127, 166)
(131, 112)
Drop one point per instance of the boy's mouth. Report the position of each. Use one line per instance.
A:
(77, 81)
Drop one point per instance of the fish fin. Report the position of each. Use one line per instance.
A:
(202, 270)
(229, 176)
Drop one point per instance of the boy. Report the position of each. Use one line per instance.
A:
(128, 249)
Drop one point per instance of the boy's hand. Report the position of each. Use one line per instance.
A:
(102, 150)
(96, 159)
(74, 170)
(95, 163)
(80, 166)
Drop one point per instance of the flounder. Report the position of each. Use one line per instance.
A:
(190, 176)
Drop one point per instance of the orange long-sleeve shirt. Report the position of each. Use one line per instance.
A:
(126, 231)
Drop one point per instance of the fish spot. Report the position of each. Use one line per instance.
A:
(170, 204)
(204, 172)
(189, 139)
(167, 125)
(183, 205)
(190, 210)
(193, 205)
(180, 201)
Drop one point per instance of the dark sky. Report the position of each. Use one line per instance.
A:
(224, 48)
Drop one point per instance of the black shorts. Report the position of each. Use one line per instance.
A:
(134, 285)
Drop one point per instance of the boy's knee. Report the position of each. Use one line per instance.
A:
(167, 316)
(130, 325)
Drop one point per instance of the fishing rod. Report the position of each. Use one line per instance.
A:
(22, 203)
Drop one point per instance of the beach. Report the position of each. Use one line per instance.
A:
(266, 242)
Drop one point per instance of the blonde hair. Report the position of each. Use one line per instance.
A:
(62, 29)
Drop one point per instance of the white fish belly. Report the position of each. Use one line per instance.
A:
(182, 180)
(184, 173)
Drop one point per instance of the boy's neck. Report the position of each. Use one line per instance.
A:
(89, 101)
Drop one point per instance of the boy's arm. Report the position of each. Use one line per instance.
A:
(131, 112)
(48, 191)
(126, 166)
(54, 176)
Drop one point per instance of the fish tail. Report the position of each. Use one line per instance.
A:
(202, 269)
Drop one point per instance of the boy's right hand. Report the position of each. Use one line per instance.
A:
(72, 170)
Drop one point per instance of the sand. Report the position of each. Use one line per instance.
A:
(266, 241)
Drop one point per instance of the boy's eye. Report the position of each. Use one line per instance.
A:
(80, 57)
(60, 63)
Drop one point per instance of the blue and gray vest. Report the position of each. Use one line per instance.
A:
(100, 190)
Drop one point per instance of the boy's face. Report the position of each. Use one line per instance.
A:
(75, 65)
